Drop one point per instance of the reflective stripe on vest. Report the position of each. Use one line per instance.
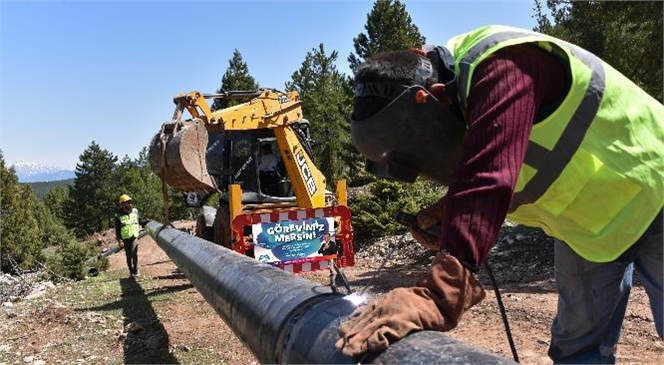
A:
(593, 173)
(537, 156)
(129, 227)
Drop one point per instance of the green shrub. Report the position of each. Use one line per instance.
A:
(373, 214)
(73, 259)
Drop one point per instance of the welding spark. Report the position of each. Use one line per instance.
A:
(356, 299)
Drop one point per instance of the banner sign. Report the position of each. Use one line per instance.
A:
(287, 242)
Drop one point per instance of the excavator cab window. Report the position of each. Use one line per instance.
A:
(254, 163)
(243, 161)
(271, 169)
(214, 157)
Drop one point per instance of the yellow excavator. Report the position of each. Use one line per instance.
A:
(277, 216)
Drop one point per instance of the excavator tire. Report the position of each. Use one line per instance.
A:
(182, 163)
(222, 227)
(202, 230)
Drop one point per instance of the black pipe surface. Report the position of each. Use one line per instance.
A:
(283, 318)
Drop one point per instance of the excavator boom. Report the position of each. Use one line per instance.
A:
(266, 109)
(178, 153)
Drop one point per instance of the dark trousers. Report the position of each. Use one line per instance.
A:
(333, 275)
(131, 251)
(593, 298)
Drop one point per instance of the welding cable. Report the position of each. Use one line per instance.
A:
(502, 313)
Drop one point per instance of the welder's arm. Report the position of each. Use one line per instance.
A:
(508, 90)
(426, 218)
(436, 303)
(118, 238)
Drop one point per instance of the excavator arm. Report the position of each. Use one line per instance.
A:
(266, 109)
(178, 153)
(308, 182)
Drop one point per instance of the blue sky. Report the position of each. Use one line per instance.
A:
(76, 71)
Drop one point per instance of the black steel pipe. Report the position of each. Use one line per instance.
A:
(283, 318)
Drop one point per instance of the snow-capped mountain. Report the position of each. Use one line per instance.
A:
(35, 172)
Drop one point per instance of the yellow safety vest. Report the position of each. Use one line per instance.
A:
(129, 226)
(593, 174)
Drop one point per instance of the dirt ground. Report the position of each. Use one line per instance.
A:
(522, 265)
(524, 275)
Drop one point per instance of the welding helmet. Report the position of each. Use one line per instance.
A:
(411, 136)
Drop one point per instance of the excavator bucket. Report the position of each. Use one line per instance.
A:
(177, 155)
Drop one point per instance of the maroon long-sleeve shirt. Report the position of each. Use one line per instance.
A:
(507, 91)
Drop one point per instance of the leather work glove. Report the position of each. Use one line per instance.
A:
(121, 244)
(437, 302)
(427, 218)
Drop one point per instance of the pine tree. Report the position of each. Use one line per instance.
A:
(144, 190)
(388, 28)
(55, 200)
(150, 194)
(237, 77)
(135, 178)
(52, 229)
(628, 35)
(94, 195)
(325, 96)
(20, 236)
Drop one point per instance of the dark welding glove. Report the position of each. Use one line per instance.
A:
(426, 219)
(436, 302)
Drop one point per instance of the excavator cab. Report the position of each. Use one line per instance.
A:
(272, 176)
(240, 163)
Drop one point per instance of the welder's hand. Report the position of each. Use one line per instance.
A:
(121, 244)
(435, 303)
(426, 218)
(425, 239)
(431, 215)
(374, 326)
